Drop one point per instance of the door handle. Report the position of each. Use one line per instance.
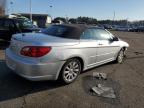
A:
(100, 44)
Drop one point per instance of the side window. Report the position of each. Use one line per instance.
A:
(88, 34)
(102, 34)
(8, 25)
(96, 34)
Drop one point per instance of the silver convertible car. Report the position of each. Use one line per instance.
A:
(63, 51)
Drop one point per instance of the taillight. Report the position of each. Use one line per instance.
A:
(35, 51)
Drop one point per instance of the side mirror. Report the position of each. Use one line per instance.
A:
(115, 39)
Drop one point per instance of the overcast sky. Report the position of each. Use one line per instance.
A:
(100, 9)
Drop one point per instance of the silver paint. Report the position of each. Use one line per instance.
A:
(92, 52)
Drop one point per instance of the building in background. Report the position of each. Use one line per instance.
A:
(41, 20)
(2, 7)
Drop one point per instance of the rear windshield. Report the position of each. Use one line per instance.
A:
(63, 31)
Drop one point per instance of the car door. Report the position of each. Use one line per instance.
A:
(2, 33)
(89, 47)
(107, 49)
(9, 29)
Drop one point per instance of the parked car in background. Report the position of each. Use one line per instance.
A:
(140, 29)
(137, 29)
(122, 28)
(63, 51)
(134, 29)
(106, 26)
(10, 26)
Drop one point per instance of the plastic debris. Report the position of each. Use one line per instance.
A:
(100, 75)
(103, 91)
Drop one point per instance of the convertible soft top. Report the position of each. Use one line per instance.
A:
(71, 31)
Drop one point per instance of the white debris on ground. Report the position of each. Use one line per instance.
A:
(100, 75)
(104, 91)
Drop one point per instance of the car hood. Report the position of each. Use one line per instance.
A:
(43, 39)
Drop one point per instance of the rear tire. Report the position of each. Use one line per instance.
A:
(70, 71)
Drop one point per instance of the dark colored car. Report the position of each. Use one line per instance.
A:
(9, 26)
(137, 29)
(108, 26)
(141, 29)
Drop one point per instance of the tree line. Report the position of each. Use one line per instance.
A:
(94, 21)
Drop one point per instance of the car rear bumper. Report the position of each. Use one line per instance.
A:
(34, 71)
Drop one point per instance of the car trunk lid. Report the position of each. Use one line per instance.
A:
(19, 41)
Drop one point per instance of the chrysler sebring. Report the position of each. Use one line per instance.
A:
(62, 52)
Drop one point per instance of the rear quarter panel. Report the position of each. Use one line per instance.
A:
(85, 50)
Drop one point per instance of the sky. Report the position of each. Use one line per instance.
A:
(100, 9)
(2, 3)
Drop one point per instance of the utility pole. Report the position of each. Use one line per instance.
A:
(114, 17)
(30, 10)
(66, 17)
(127, 22)
(12, 10)
(50, 7)
(3, 7)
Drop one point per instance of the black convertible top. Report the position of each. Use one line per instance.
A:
(75, 30)
(71, 31)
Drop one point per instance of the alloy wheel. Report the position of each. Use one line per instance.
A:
(71, 70)
(120, 56)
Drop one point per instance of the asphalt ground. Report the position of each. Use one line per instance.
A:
(127, 79)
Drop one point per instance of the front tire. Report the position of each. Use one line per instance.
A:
(70, 71)
(120, 57)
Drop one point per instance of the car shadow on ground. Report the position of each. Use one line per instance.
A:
(12, 86)
(138, 57)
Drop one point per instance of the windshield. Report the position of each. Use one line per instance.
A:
(24, 24)
(63, 31)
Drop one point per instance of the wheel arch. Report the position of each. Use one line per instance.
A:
(124, 48)
(76, 57)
